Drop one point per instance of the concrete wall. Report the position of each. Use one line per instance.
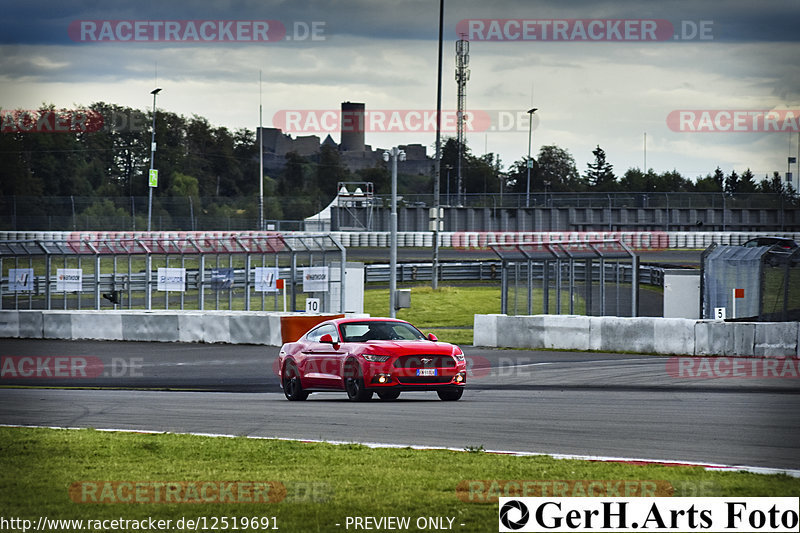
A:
(235, 327)
(678, 336)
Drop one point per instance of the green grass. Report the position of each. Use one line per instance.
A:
(449, 311)
(324, 483)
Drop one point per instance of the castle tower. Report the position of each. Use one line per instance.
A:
(353, 126)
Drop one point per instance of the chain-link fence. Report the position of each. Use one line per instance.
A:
(586, 278)
(753, 284)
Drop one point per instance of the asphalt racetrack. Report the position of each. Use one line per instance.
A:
(530, 401)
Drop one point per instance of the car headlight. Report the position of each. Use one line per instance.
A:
(372, 358)
(459, 356)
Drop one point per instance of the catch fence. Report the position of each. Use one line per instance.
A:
(215, 270)
(595, 277)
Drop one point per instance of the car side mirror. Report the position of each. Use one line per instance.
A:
(327, 339)
(432, 337)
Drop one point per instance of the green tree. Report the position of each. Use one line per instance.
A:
(732, 183)
(673, 181)
(104, 214)
(600, 174)
(773, 185)
(747, 183)
(330, 171)
(555, 168)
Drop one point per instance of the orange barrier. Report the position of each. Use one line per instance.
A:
(295, 326)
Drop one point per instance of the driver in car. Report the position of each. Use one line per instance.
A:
(379, 332)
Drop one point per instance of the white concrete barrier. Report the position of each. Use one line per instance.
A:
(234, 327)
(96, 325)
(720, 338)
(675, 336)
(485, 330)
(642, 335)
(780, 339)
(564, 332)
(55, 324)
(9, 325)
(149, 326)
(30, 324)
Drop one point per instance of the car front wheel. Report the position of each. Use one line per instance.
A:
(450, 395)
(292, 388)
(354, 385)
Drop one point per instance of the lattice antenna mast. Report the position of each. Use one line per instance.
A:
(462, 75)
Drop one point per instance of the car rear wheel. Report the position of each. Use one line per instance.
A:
(450, 395)
(292, 388)
(354, 384)
(389, 394)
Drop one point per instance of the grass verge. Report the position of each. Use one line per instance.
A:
(449, 311)
(324, 484)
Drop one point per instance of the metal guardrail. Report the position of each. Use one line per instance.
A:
(483, 271)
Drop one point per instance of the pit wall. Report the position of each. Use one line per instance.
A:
(233, 327)
(675, 336)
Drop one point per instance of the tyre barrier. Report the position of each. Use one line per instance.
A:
(226, 241)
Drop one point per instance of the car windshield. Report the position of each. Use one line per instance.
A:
(379, 331)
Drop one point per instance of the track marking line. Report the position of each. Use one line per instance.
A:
(594, 458)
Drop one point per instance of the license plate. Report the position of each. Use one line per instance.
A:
(426, 372)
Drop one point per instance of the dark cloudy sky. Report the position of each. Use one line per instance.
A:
(384, 54)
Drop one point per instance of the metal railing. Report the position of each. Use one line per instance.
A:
(532, 270)
(491, 271)
(234, 271)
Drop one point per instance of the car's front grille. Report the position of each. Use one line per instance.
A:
(420, 380)
(425, 361)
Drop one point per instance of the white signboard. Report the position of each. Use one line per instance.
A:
(69, 279)
(171, 279)
(719, 313)
(315, 279)
(20, 279)
(266, 278)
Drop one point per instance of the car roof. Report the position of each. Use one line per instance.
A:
(366, 319)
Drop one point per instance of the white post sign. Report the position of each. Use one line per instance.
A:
(266, 278)
(312, 305)
(69, 279)
(20, 279)
(171, 279)
(315, 279)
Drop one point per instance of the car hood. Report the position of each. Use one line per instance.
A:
(406, 347)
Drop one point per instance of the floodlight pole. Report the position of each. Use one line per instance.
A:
(438, 162)
(529, 163)
(394, 154)
(154, 92)
(260, 160)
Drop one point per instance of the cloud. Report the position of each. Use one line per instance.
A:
(384, 54)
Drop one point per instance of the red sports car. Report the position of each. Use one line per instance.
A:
(363, 356)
